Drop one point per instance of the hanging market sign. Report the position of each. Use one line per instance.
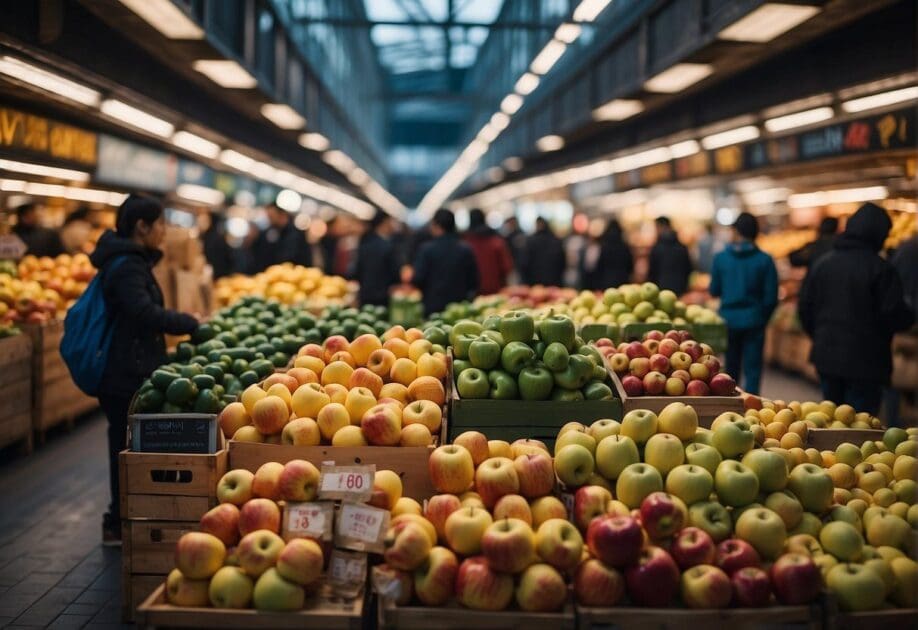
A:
(124, 163)
(36, 134)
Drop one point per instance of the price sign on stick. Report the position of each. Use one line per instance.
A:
(361, 527)
(347, 483)
(309, 520)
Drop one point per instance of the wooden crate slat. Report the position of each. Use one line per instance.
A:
(16, 427)
(16, 399)
(173, 473)
(455, 617)
(152, 544)
(135, 588)
(829, 439)
(15, 359)
(677, 618)
(164, 507)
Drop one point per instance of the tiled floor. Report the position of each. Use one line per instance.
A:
(53, 571)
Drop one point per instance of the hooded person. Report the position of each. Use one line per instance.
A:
(746, 281)
(375, 267)
(814, 250)
(492, 255)
(851, 303)
(669, 264)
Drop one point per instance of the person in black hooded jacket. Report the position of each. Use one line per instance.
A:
(134, 303)
(669, 264)
(375, 266)
(851, 303)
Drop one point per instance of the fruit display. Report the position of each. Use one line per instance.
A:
(667, 364)
(787, 424)
(8, 330)
(631, 304)
(781, 243)
(904, 227)
(40, 289)
(477, 309)
(513, 356)
(287, 283)
(538, 295)
(374, 391)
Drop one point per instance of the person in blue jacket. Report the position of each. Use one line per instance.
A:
(746, 281)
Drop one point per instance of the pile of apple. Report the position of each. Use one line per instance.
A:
(497, 535)
(632, 304)
(287, 283)
(787, 424)
(381, 392)
(513, 356)
(670, 363)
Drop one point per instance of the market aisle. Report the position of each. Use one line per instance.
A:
(781, 385)
(53, 570)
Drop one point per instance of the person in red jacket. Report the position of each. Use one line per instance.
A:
(491, 253)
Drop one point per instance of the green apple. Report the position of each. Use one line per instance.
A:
(473, 383)
(574, 464)
(847, 515)
(881, 567)
(785, 505)
(494, 336)
(809, 524)
(460, 366)
(604, 427)
(556, 357)
(578, 372)
(557, 329)
(905, 591)
(733, 438)
(515, 356)
(462, 345)
(436, 335)
(230, 587)
(535, 383)
(591, 352)
(703, 455)
(679, 419)
(464, 327)
(664, 452)
(635, 482)
(872, 512)
(813, 486)
(631, 294)
(566, 395)
(503, 386)
(690, 483)
(713, 518)
(517, 326)
(906, 491)
(770, 468)
(842, 540)
(735, 484)
(667, 301)
(726, 418)
(491, 322)
(737, 512)
(888, 529)
(703, 436)
(575, 437)
(597, 390)
(642, 310)
(614, 453)
(484, 353)
(848, 453)
(650, 292)
(856, 587)
(639, 425)
(893, 437)
(611, 297)
(764, 530)
(272, 592)
(617, 309)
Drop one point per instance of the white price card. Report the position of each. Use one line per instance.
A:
(347, 483)
(309, 520)
(347, 571)
(361, 527)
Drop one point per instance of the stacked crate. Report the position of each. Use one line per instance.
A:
(16, 391)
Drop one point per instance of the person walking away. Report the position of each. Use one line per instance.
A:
(134, 303)
(516, 241)
(669, 264)
(705, 249)
(76, 230)
(445, 269)
(851, 303)
(491, 254)
(588, 270)
(217, 251)
(746, 281)
(905, 260)
(328, 246)
(616, 263)
(281, 242)
(39, 241)
(375, 266)
(544, 260)
(814, 250)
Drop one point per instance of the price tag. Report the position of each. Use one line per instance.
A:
(347, 483)
(12, 247)
(386, 583)
(309, 520)
(347, 571)
(361, 527)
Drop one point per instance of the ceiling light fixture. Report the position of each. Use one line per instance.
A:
(283, 115)
(568, 33)
(767, 22)
(526, 84)
(511, 104)
(618, 109)
(500, 121)
(684, 149)
(845, 195)
(225, 73)
(165, 17)
(48, 81)
(732, 136)
(639, 160)
(589, 10)
(43, 171)
(136, 118)
(358, 177)
(512, 164)
(678, 77)
(548, 57)
(200, 194)
(314, 141)
(883, 99)
(236, 160)
(338, 160)
(263, 171)
(195, 144)
(550, 142)
(799, 119)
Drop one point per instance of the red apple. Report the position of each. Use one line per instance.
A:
(639, 366)
(636, 349)
(734, 554)
(796, 579)
(706, 586)
(659, 363)
(654, 580)
(673, 334)
(674, 386)
(691, 348)
(697, 388)
(223, 522)
(633, 386)
(662, 515)
(652, 345)
(682, 375)
(596, 584)
(481, 588)
(616, 540)
(693, 546)
(722, 385)
(589, 502)
(668, 347)
(619, 362)
(654, 383)
(751, 587)
(711, 362)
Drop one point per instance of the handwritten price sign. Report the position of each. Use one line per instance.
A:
(361, 527)
(347, 483)
(347, 572)
(311, 520)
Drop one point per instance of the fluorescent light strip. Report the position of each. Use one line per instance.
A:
(684, 149)
(283, 116)
(526, 84)
(195, 144)
(548, 57)
(767, 22)
(236, 160)
(136, 118)
(201, 194)
(225, 73)
(166, 18)
(488, 133)
(284, 179)
(640, 160)
(733, 136)
(358, 177)
(568, 33)
(74, 193)
(881, 100)
(678, 77)
(314, 141)
(500, 120)
(766, 196)
(48, 81)
(845, 195)
(338, 160)
(44, 171)
(618, 109)
(550, 142)
(589, 10)
(263, 171)
(512, 164)
(799, 119)
(511, 104)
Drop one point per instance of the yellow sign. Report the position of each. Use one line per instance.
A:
(19, 130)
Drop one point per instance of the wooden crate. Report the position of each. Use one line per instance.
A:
(889, 619)
(829, 439)
(589, 618)
(172, 474)
(321, 612)
(16, 391)
(148, 547)
(455, 617)
(707, 407)
(134, 590)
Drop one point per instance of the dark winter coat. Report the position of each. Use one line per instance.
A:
(135, 303)
(669, 264)
(544, 261)
(279, 245)
(746, 281)
(375, 268)
(906, 263)
(615, 264)
(492, 257)
(851, 303)
(445, 271)
(40, 241)
(812, 251)
(218, 252)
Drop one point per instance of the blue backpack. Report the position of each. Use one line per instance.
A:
(88, 335)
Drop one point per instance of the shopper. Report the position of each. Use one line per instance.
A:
(746, 281)
(134, 303)
(445, 270)
(76, 231)
(706, 248)
(544, 260)
(217, 251)
(39, 241)
(905, 260)
(375, 265)
(281, 242)
(669, 264)
(615, 264)
(491, 254)
(328, 246)
(814, 250)
(851, 303)
(516, 241)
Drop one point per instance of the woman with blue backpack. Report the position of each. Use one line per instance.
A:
(137, 321)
